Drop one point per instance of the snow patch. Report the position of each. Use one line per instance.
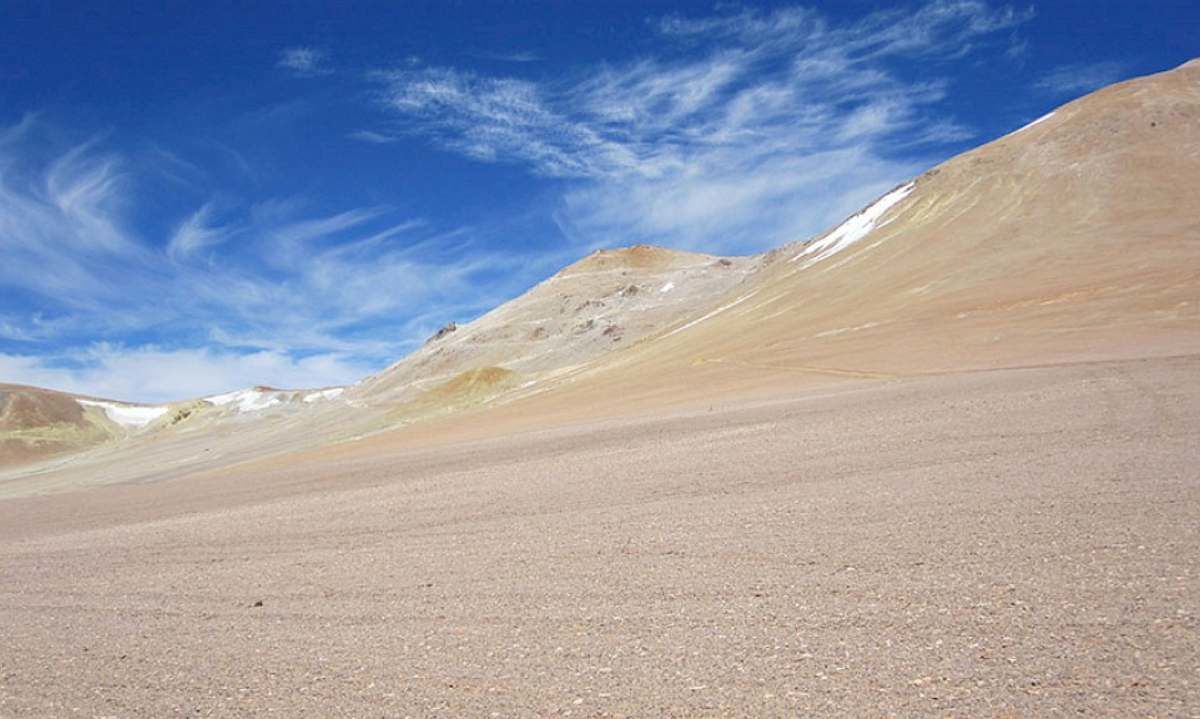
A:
(324, 394)
(220, 399)
(667, 287)
(1043, 118)
(248, 400)
(855, 228)
(127, 415)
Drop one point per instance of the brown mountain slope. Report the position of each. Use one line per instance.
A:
(597, 306)
(605, 302)
(1073, 239)
(38, 423)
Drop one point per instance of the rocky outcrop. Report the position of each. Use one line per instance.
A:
(446, 329)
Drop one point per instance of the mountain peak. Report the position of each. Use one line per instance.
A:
(637, 257)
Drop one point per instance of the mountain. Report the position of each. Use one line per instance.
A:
(38, 422)
(607, 301)
(939, 460)
(603, 303)
(1073, 239)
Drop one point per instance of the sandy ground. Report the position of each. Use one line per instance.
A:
(1001, 543)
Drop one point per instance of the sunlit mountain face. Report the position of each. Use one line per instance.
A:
(299, 199)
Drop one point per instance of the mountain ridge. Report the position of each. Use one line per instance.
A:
(1071, 238)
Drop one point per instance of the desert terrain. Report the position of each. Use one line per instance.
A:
(939, 460)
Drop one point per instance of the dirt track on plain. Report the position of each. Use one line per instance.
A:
(1020, 542)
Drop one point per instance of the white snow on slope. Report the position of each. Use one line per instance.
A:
(855, 228)
(667, 287)
(127, 415)
(221, 399)
(1043, 118)
(324, 394)
(248, 400)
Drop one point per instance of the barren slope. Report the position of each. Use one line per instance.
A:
(599, 305)
(1075, 238)
(37, 423)
(605, 302)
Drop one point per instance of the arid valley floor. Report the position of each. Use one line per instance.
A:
(1018, 542)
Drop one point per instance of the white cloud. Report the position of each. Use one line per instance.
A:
(60, 220)
(304, 61)
(494, 118)
(743, 128)
(373, 137)
(519, 56)
(151, 374)
(279, 280)
(733, 209)
(1080, 78)
(196, 233)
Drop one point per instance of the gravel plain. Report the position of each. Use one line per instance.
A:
(1004, 543)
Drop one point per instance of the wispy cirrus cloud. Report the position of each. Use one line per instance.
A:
(196, 233)
(747, 128)
(372, 136)
(59, 219)
(1080, 78)
(518, 56)
(491, 119)
(737, 131)
(275, 287)
(304, 61)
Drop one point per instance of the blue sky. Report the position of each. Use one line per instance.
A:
(205, 198)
